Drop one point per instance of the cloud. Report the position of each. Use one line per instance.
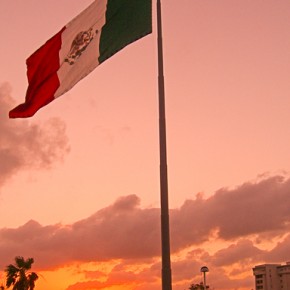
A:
(27, 145)
(280, 253)
(122, 230)
(252, 208)
(243, 250)
(185, 271)
(125, 275)
(125, 231)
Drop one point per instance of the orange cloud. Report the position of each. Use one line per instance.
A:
(130, 235)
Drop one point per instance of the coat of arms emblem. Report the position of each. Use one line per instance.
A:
(79, 45)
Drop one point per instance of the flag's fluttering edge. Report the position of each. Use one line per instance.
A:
(97, 33)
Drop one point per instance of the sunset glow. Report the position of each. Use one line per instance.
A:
(79, 181)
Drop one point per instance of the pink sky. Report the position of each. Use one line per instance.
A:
(79, 182)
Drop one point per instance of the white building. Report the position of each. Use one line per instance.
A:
(272, 277)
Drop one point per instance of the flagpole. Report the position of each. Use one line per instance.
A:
(165, 236)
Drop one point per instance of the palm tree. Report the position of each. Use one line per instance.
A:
(18, 276)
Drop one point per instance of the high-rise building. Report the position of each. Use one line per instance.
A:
(272, 277)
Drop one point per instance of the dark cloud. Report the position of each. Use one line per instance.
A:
(123, 230)
(281, 253)
(186, 269)
(27, 145)
(228, 268)
(243, 251)
(252, 208)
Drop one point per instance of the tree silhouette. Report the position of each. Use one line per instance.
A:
(197, 286)
(18, 276)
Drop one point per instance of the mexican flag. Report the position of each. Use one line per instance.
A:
(96, 34)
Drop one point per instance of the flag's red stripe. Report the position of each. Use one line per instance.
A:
(42, 67)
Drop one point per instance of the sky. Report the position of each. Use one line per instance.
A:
(79, 181)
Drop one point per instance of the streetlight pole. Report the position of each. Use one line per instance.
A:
(204, 269)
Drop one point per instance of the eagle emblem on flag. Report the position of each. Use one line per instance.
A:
(79, 45)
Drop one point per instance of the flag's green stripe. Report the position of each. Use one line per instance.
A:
(126, 21)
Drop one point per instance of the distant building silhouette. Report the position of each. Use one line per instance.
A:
(272, 277)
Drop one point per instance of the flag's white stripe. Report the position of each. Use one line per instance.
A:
(92, 17)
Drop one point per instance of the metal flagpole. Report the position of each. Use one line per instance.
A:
(165, 237)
